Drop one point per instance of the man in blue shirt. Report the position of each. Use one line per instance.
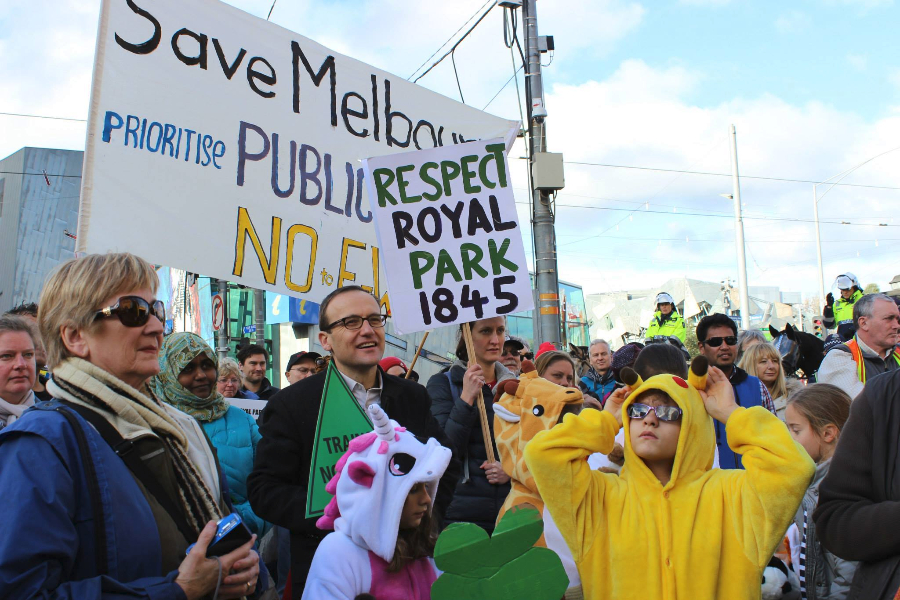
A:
(717, 337)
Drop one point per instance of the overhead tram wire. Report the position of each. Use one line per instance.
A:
(688, 172)
(441, 47)
(722, 216)
(9, 114)
(647, 204)
(492, 3)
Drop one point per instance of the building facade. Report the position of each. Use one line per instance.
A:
(39, 192)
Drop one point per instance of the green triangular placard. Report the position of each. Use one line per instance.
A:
(341, 419)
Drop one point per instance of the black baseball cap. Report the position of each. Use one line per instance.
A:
(515, 342)
(295, 358)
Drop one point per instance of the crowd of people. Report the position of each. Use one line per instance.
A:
(119, 460)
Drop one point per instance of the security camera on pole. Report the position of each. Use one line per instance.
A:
(546, 177)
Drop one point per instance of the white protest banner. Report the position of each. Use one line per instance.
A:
(252, 407)
(447, 225)
(225, 145)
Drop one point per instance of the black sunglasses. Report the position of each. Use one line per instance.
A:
(134, 311)
(355, 322)
(663, 413)
(715, 342)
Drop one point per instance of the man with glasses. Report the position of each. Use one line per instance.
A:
(301, 365)
(717, 337)
(351, 328)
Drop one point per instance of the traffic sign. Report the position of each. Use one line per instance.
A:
(250, 329)
(218, 312)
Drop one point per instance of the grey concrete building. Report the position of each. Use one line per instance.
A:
(39, 191)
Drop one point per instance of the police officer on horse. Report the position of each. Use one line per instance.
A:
(840, 313)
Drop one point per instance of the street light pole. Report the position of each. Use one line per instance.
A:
(818, 244)
(739, 234)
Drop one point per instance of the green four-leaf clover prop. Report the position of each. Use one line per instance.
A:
(506, 566)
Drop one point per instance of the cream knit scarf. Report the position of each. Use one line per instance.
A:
(81, 382)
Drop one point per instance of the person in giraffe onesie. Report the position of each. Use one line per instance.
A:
(522, 409)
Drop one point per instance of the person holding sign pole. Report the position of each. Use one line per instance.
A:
(351, 328)
(484, 486)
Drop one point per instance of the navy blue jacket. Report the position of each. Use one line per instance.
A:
(48, 546)
(747, 394)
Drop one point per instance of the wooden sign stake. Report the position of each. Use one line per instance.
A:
(416, 357)
(482, 411)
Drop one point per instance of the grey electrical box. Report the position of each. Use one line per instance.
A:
(545, 43)
(547, 171)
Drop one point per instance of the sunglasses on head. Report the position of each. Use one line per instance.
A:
(715, 342)
(663, 413)
(134, 311)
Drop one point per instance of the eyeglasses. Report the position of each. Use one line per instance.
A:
(511, 352)
(303, 370)
(134, 311)
(715, 342)
(354, 322)
(663, 413)
(231, 380)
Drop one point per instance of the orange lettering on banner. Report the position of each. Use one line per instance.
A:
(245, 229)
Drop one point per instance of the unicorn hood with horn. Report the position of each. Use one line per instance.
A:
(373, 479)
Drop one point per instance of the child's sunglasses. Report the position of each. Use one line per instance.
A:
(663, 413)
(134, 311)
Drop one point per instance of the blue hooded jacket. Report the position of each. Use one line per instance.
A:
(48, 547)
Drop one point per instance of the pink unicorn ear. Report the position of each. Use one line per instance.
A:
(361, 473)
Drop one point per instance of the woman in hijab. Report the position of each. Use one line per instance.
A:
(187, 381)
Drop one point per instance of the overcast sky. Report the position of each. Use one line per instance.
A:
(813, 88)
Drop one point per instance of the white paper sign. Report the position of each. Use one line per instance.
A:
(252, 407)
(228, 146)
(447, 226)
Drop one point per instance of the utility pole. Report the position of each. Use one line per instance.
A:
(543, 233)
(259, 316)
(739, 234)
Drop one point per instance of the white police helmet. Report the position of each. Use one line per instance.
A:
(664, 298)
(846, 281)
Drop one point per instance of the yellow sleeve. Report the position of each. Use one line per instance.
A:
(569, 488)
(652, 329)
(764, 497)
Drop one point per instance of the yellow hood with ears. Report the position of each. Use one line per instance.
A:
(697, 440)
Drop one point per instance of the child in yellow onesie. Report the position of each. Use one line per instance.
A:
(668, 526)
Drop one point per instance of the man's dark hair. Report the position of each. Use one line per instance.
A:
(324, 320)
(251, 350)
(714, 320)
(657, 359)
(30, 309)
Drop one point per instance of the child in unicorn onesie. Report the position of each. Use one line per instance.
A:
(383, 535)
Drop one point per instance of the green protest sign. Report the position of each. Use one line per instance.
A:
(341, 419)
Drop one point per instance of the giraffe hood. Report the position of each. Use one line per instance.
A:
(534, 404)
(373, 479)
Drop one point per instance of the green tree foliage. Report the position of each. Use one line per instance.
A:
(690, 341)
(872, 288)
